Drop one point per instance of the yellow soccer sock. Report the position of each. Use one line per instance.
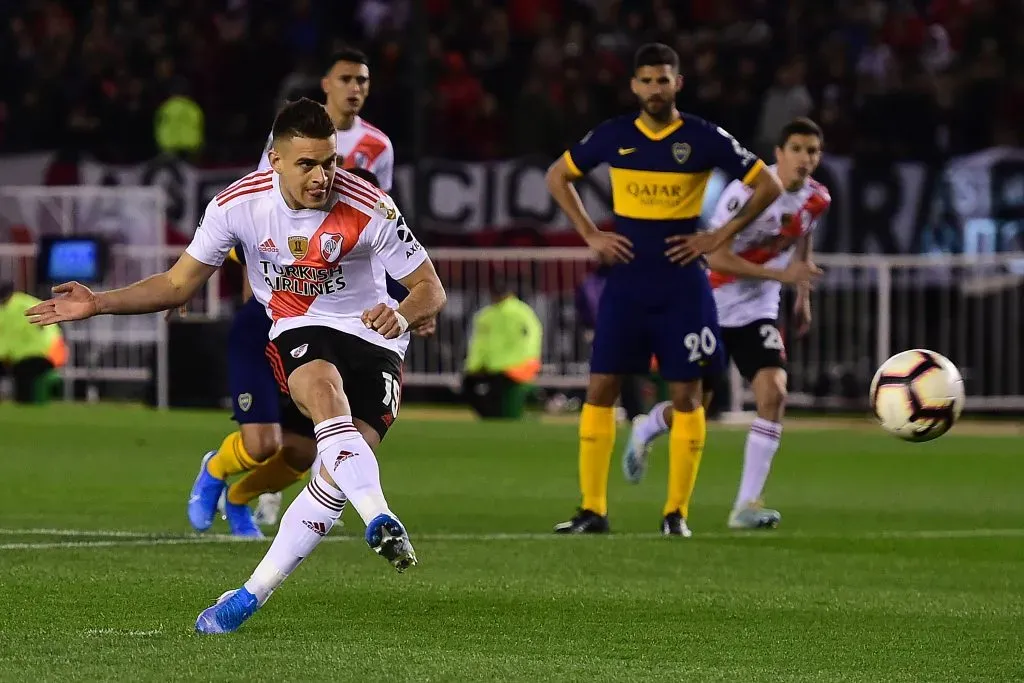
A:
(271, 476)
(231, 458)
(685, 447)
(597, 440)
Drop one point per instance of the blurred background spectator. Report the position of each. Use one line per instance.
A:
(901, 79)
(503, 355)
(29, 354)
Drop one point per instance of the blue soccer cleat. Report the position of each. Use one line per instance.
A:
(241, 521)
(228, 614)
(202, 502)
(387, 537)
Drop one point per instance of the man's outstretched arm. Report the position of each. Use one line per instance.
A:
(159, 292)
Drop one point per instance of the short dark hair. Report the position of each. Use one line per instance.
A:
(347, 54)
(800, 126)
(500, 284)
(655, 54)
(368, 176)
(303, 118)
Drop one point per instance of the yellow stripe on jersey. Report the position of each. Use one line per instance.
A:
(573, 168)
(661, 134)
(233, 255)
(657, 195)
(754, 171)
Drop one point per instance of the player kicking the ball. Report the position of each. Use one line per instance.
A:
(313, 238)
(747, 278)
(271, 459)
(657, 298)
(251, 373)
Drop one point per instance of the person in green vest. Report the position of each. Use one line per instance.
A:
(29, 353)
(179, 124)
(504, 355)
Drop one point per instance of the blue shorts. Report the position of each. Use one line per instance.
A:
(255, 395)
(675, 322)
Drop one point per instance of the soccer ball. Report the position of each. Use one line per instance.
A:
(917, 395)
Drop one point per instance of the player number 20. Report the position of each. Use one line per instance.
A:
(700, 345)
(772, 338)
(392, 392)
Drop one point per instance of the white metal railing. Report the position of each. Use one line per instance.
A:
(18, 264)
(134, 219)
(866, 307)
(545, 278)
(132, 349)
(968, 307)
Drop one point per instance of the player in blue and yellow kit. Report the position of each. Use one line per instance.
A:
(257, 446)
(657, 299)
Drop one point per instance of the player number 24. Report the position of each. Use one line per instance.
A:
(771, 336)
(392, 392)
(700, 345)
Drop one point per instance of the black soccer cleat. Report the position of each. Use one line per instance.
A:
(674, 524)
(584, 522)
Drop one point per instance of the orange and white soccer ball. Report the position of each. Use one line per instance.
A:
(917, 395)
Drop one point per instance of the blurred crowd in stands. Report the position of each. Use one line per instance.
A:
(893, 79)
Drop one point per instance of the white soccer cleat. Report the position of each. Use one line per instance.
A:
(267, 512)
(268, 506)
(754, 515)
(635, 455)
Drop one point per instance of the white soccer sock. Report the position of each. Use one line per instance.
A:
(345, 454)
(762, 443)
(305, 523)
(654, 426)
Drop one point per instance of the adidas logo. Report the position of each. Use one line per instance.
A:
(318, 528)
(268, 246)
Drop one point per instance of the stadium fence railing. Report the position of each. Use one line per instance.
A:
(865, 308)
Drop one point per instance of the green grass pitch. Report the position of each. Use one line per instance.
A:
(894, 562)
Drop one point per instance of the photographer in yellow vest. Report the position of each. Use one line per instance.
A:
(504, 355)
(29, 353)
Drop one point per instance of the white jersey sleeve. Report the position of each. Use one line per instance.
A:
(213, 238)
(264, 161)
(393, 242)
(733, 197)
(384, 168)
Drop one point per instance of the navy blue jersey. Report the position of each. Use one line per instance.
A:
(658, 179)
(651, 306)
(255, 394)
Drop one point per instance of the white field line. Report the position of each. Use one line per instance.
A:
(67, 545)
(101, 533)
(119, 632)
(100, 539)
